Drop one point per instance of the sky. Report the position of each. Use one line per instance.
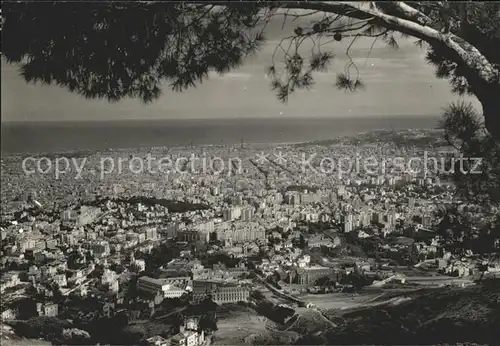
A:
(398, 83)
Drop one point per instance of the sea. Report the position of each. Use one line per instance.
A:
(55, 137)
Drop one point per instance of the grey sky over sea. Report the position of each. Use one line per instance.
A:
(399, 84)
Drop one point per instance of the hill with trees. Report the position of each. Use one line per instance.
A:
(442, 316)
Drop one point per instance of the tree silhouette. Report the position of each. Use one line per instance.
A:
(112, 50)
(207, 322)
(457, 230)
(177, 321)
(477, 180)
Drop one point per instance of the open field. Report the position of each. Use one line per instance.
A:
(339, 300)
(239, 325)
(234, 328)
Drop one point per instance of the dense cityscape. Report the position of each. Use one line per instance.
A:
(185, 173)
(224, 256)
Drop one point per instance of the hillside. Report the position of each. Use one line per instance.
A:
(444, 316)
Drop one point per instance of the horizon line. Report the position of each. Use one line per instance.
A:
(374, 116)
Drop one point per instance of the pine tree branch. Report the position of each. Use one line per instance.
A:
(409, 22)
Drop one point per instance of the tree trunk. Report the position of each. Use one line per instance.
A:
(491, 111)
